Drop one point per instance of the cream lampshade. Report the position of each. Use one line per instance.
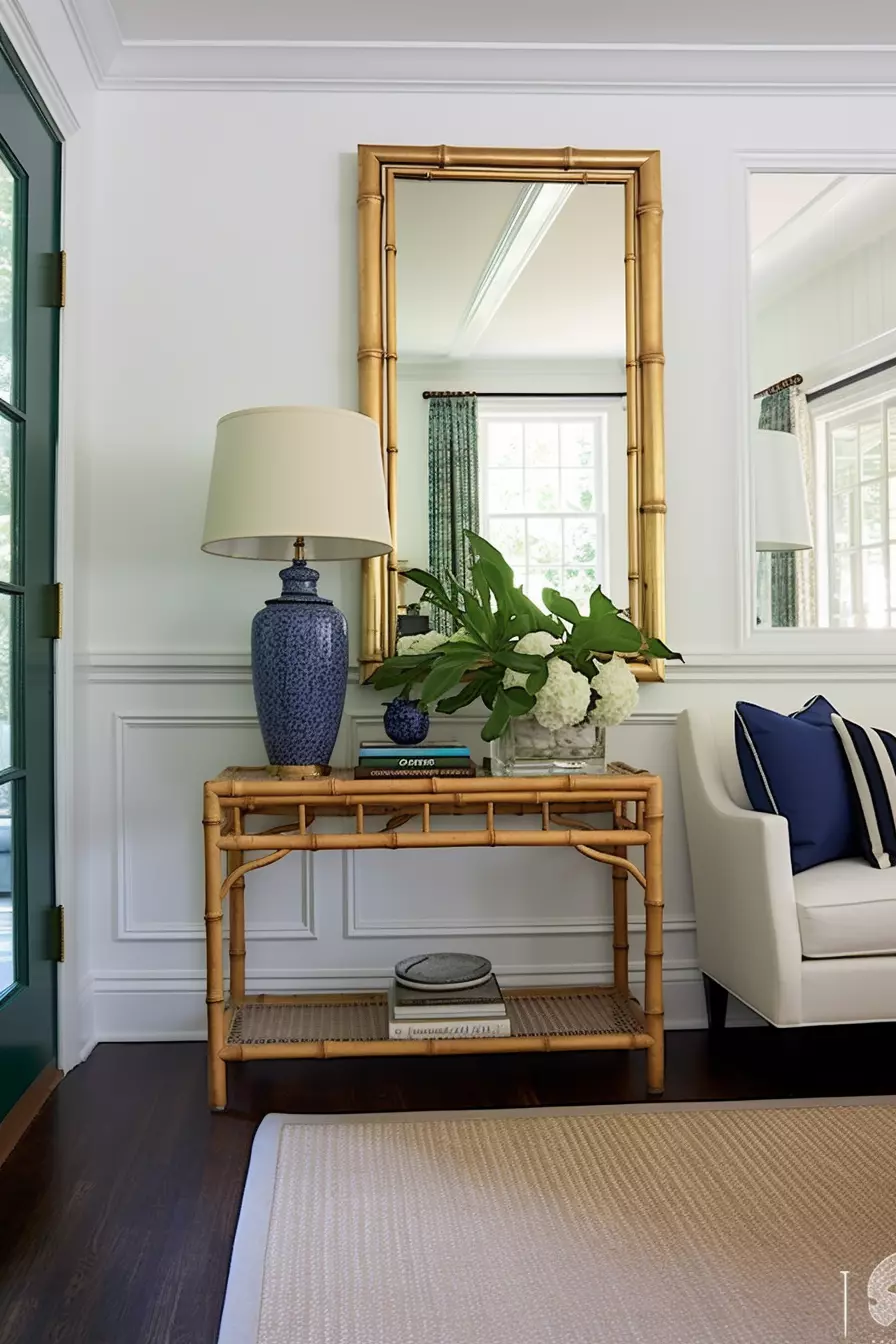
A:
(282, 472)
(298, 483)
(781, 517)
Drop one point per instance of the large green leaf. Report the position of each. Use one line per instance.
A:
(484, 550)
(537, 679)
(525, 610)
(480, 583)
(519, 662)
(561, 606)
(520, 701)
(657, 649)
(402, 669)
(477, 619)
(435, 589)
(600, 604)
(446, 673)
(610, 633)
(499, 718)
(472, 691)
(500, 583)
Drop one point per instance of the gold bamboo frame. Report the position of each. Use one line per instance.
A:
(639, 170)
(231, 853)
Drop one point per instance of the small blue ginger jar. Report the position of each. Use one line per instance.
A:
(299, 670)
(405, 722)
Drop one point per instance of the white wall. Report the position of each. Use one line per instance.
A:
(223, 232)
(832, 323)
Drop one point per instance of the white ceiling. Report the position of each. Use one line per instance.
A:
(692, 44)
(764, 22)
(567, 303)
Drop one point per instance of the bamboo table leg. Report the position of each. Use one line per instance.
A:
(237, 897)
(653, 945)
(620, 913)
(214, 946)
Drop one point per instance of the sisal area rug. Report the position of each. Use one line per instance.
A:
(757, 1224)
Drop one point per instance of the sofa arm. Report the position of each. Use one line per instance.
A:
(747, 929)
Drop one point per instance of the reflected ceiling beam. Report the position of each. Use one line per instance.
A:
(535, 211)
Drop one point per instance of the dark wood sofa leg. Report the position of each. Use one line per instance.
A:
(716, 1003)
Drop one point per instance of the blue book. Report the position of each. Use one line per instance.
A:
(431, 750)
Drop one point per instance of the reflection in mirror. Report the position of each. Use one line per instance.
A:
(513, 294)
(823, 358)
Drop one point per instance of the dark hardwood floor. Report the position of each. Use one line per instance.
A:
(118, 1206)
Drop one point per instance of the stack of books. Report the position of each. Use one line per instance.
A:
(383, 760)
(447, 1014)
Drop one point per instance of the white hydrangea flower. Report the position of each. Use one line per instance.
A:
(617, 687)
(539, 642)
(563, 700)
(420, 643)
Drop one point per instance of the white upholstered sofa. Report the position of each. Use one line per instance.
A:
(806, 950)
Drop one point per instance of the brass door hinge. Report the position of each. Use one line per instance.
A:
(58, 936)
(57, 611)
(63, 262)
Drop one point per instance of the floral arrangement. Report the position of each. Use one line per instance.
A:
(556, 665)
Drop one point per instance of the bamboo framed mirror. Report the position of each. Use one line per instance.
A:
(482, 271)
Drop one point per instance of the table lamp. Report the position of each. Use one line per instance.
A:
(301, 483)
(781, 505)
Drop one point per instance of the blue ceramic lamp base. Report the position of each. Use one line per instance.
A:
(299, 673)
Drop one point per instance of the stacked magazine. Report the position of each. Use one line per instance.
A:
(447, 1014)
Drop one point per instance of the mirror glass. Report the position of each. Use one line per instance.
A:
(823, 363)
(513, 294)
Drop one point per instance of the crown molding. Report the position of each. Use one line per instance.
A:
(96, 30)
(23, 38)
(496, 67)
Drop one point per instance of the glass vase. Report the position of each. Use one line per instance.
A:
(526, 748)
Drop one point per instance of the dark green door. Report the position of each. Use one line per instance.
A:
(29, 343)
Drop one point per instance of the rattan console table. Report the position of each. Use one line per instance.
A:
(603, 1017)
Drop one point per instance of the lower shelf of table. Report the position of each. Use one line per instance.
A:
(321, 1026)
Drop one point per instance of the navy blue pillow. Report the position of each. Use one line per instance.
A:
(794, 766)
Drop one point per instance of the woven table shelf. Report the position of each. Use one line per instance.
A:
(327, 1025)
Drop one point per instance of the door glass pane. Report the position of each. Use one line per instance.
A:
(7, 246)
(7, 960)
(6, 435)
(6, 622)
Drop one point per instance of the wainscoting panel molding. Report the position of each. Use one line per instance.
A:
(139, 862)
(342, 920)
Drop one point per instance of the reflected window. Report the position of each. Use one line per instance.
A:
(855, 447)
(543, 494)
(823, 352)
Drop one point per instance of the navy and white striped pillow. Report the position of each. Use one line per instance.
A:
(871, 755)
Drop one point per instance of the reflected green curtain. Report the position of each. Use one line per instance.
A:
(453, 492)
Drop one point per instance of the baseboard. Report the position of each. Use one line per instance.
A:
(174, 1009)
(13, 1125)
